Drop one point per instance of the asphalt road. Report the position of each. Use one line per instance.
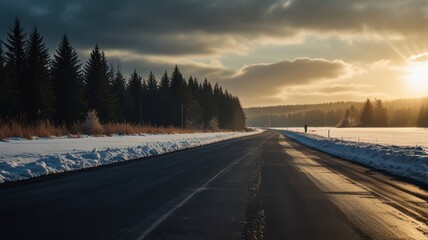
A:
(259, 187)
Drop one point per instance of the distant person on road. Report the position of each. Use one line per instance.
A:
(306, 128)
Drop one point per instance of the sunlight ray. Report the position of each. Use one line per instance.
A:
(415, 46)
(392, 46)
(406, 47)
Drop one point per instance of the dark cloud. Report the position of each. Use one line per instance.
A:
(189, 27)
(161, 33)
(269, 79)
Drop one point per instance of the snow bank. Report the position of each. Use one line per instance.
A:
(22, 159)
(407, 136)
(409, 162)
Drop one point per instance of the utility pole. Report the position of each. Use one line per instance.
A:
(140, 109)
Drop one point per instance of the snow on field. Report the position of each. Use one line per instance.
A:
(22, 159)
(384, 136)
(410, 161)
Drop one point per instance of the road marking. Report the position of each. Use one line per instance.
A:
(201, 188)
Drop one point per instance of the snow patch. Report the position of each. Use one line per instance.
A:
(409, 162)
(22, 159)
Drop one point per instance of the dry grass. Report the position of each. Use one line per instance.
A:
(14, 128)
(46, 129)
(91, 126)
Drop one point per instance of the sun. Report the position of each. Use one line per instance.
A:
(417, 76)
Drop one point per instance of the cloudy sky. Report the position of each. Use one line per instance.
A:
(268, 52)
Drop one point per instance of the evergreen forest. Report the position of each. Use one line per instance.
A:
(35, 86)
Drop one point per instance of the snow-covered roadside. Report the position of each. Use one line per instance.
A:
(22, 159)
(409, 162)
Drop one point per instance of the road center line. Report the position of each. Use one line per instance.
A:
(166, 215)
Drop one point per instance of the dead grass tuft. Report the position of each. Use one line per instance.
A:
(91, 126)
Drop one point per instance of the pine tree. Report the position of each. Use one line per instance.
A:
(152, 99)
(3, 85)
(145, 102)
(239, 118)
(68, 84)
(99, 92)
(14, 81)
(37, 96)
(222, 106)
(345, 122)
(380, 115)
(122, 97)
(164, 100)
(176, 91)
(192, 110)
(367, 115)
(228, 110)
(193, 87)
(209, 106)
(135, 89)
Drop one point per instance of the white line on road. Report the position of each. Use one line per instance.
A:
(166, 215)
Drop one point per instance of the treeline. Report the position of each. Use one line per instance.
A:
(423, 116)
(287, 109)
(35, 86)
(377, 113)
(315, 117)
(371, 115)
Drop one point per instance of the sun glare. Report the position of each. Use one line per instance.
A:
(417, 76)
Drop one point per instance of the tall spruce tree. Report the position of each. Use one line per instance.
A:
(164, 100)
(68, 84)
(152, 99)
(176, 91)
(228, 110)
(345, 122)
(193, 86)
(367, 114)
(209, 106)
(99, 92)
(135, 89)
(380, 115)
(192, 110)
(221, 103)
(37, 95)
(239, 118)
(145, 102)
(122, 97)
(3, 85)
(14, 82)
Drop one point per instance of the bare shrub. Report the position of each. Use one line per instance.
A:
(92, 125)
(213, 124)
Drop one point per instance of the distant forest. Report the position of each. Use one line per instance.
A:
(35, 86)
(371, 113)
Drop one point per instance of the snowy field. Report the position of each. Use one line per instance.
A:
(22, 159)
(406, 161)
(384, 136)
